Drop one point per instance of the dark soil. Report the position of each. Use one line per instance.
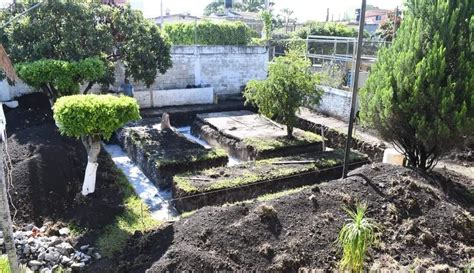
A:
(48, 170)
(418, 222)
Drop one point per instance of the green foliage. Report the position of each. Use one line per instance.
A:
(420, 93)
(209, 33)
(267, 24)
(355, 238)
(4, 265)
(325, 29)
(270, 144)
(290, 85)
(76, 30)
(136, 216)
(61, 78)
(217, 6)
(94, 115)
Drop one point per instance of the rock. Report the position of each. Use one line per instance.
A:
(26, 250)
(35, 263)
(65, 248)
(97, 256)
(54, 241)
(64, 231)
(1, 234)
(46, 270)
(42, 255)
(1, 241)
(78, 266)
(84, 248)
(29, 227)
(65, 260)
(52, 257)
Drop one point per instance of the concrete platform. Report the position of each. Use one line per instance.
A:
(250, 136)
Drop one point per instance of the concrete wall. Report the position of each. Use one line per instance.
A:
(172, 97)
(225, 68)
(335, 103)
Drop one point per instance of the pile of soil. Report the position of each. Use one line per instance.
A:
(47, 171)
(419, 224)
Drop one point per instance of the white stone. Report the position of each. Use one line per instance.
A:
(394, 157)
(64, 231)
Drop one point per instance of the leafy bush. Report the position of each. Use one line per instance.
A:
(355, 238)
(290, 85)
(94, 115)
(76, 30)
(267, 24)
(420, 93)
(61, 78)
(209, 33)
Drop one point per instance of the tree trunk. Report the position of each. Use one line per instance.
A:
(92, 144)
(88, 87)
(6, 221)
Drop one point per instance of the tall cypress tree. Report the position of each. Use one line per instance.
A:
(420, 93)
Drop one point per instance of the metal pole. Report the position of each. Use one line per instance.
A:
(161, 14)
(355, 82)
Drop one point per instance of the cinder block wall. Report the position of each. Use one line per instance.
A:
(225, 68)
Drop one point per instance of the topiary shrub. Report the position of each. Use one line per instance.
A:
(420, 93)
(92, 118)
(290, 85)
(60, 78)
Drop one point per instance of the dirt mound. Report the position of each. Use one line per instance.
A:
(418, 223)
(48, 169)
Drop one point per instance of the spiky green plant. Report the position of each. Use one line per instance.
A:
(4, 265)
(355, 237)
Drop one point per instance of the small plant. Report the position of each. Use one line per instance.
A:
(355, 238)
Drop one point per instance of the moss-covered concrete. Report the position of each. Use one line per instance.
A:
(164, 153)
(261, 170)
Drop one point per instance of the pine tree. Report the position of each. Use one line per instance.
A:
(420, 94)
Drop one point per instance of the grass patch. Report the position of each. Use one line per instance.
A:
(4, 265)
(191, 156)
(270, 144)
(135, 217)
(261, 170)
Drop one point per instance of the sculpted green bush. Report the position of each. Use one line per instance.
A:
(209, 33)
(92, 118)
(60, 78)
(420, 93)
(290, 84)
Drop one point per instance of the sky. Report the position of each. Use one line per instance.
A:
(304, 9)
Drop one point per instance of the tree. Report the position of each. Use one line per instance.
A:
(76, 30)
(217, 6)
(386, 28)
(287, 14)
(92, 118)
(420, 93)
(267, 25)
(290, 85)
(60, 78)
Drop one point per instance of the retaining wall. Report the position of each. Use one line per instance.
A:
(335, 103)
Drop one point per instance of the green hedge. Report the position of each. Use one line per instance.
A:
(209, 33)
(101, 115)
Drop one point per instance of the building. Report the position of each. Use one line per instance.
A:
(373, 18)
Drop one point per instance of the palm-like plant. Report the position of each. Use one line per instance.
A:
(253, 5)
(355, 237)
(287, 14)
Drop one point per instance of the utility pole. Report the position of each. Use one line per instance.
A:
(395, 19)
(327, 15)
(161, 14)
(267, 5)
(355, 86)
